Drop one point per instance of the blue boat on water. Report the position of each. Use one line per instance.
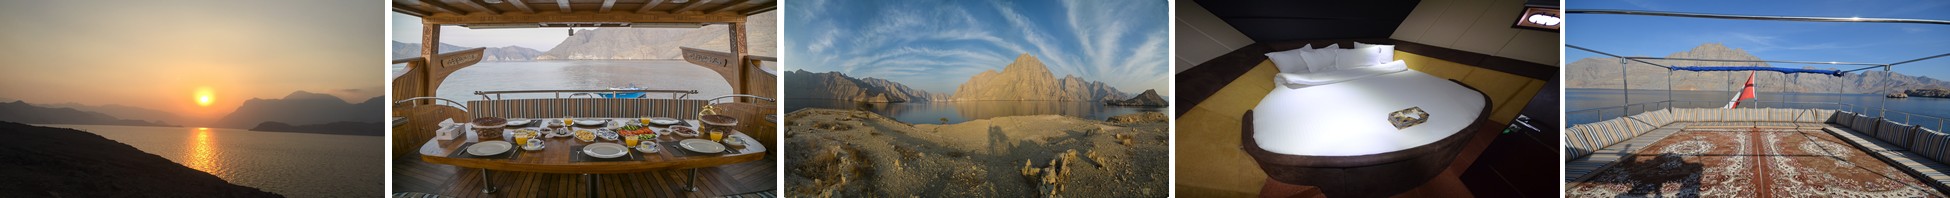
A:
(623, 94)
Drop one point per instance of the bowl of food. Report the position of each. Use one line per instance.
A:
(585, 135)
(489, 128)
(683, 131)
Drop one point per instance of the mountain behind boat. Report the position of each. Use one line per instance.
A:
(306, 108)
(1604, 73)
(22, 112)
(1027, 79)
(509, 53)
(126, 112)
(662, 43)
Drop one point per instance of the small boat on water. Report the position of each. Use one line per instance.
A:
(1896, 95)
(623, 94)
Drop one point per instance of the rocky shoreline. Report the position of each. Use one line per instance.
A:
(846, 153)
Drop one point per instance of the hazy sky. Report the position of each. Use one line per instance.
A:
(937, 45)
(406, 28)
(156, 54)
(1633, 35)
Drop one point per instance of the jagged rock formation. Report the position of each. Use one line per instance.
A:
(1027, 79)
(57, 162)
(20, 111)
(1933, 93)
(304, 108)
(509, 53)
(834, 85)
(1149, 98)
(1604, 73)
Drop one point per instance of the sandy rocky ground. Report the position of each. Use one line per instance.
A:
(844, 153)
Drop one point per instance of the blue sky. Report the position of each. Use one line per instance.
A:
(1636, 35)
(936, 45)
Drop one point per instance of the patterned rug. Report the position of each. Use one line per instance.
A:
(1750, 163)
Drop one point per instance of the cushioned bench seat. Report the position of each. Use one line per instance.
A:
(1597, 160)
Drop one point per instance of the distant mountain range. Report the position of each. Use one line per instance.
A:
(341, 128)
(835, 85)
(509, 53)
(126, 112)
(1026, 79)
(20, 111)
(1604, 73)
(305, 108)
(637, 43)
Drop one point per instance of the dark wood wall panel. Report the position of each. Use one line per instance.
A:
(1286, 20)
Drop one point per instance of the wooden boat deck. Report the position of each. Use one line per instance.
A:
(414, 175)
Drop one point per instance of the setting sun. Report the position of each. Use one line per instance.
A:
(204, 96)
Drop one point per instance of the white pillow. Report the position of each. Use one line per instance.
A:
(1321, 60)
(1323, 78)
(1353, 58)
(1290, 61)
(1383, 53)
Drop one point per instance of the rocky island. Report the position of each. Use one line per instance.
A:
(58, 162)
(1149, 98)
(1928, 92)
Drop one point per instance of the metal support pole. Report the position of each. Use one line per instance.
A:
(487, 182)
(592, 183)
(692, 185)
(1625, 84)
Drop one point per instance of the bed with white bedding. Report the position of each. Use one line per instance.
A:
(1338, 136)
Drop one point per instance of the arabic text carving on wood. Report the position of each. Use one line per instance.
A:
(707, 58)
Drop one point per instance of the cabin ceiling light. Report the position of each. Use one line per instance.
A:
(666, 25)
(1540, 18)
(492, 1)
(680, 1)
(501, 25)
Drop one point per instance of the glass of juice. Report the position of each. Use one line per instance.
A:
(521, 139)
(717, 135)
(631, 141)
(645, 120)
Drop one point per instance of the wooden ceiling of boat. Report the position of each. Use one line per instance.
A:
(522, 11)
(1285, 20)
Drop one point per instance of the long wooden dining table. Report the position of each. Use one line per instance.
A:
(558, 154)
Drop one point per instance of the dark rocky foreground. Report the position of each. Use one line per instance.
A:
(56, 162)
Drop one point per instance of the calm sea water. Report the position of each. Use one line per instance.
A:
(291, 164)
(1581, 99)
(957, 112)
(579, 74)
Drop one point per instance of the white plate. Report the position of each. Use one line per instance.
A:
(534, 147)
(489, 148)
(519, 122)
(605, 150)
(591, 122)
(734, 141)
(701, 145)
(664, 121)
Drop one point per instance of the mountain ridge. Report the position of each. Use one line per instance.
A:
(304, 108)
(1027, 79)
(1605, 73)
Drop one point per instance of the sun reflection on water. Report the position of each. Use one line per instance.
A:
(202, 155)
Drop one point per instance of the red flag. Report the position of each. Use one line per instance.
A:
(1746, 92)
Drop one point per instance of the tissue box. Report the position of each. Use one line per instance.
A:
(1408, 117)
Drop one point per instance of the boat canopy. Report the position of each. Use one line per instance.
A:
(1757, 68)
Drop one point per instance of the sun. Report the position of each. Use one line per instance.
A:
(204, 96)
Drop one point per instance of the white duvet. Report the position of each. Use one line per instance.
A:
(1350, 118)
